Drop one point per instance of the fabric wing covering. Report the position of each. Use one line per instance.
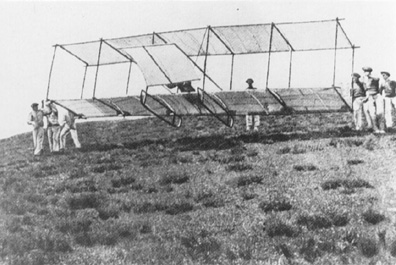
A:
(163, 64)
(90, 108)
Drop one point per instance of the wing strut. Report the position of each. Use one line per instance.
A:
(210, 102)
(171, 117)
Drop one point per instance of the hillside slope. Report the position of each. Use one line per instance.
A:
(304, 190)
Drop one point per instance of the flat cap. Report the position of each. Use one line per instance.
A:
(367, 69)
(355, 75)
(249, 80)
(34, 104)
(385, 73)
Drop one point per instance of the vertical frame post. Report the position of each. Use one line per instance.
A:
(232, 71)
(83, 83)
(50, 72)
(129, 76)
(335, 52)
(97, 67)
(206, 58)
(269, 56)
(290, 67)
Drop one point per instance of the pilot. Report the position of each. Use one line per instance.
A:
(252, 121)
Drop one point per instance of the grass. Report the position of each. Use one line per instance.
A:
(151, 194)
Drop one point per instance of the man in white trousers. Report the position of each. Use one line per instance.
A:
(53, 126)
(68, 124)
(36, 119)
(375, 99)
(388, 92)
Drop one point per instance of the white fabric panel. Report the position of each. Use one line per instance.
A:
(174, 63)
(163, 64)
(151, 72)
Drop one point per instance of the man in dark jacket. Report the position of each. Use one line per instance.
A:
(359, 104)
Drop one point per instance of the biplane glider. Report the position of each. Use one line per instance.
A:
(169, 60)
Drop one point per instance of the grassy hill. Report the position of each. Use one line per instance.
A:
(304, 190)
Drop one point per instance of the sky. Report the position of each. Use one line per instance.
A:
(29, 29)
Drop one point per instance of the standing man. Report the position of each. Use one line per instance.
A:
(375, 100)
(36, 119)
(388, 91)
(359, 104)
(68, 124)
(252, 120)
(53, 129)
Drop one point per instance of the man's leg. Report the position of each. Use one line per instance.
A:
(357, 113)
(74, 135)
(379, 103)
(388, 112)
(367, 115)
(34, 133)
(56, 138)
(63, 135)
(373, 113)
(40, 141)
(256, 122)
(50, 141)
(248, 122)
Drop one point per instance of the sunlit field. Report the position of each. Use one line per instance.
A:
(305, 189)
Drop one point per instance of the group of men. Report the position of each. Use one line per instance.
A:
(57, 124)
(373, 98)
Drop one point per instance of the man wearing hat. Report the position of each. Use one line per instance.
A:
(252, 120)
(359, 104)
(375, 100)
(53, 127)
(36, 119)
(68, 125)
(388, 91)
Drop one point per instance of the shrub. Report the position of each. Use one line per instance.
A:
(230, 159)
(373, 217)
(209, 199)
(357, 183)
(105, 167)
(347, 183)
(122, 181)
(284, 150)
(339, 219)
(309, 250)
(108, 211)
(331, 184)
(81, 185)
(174, 178)
(368, 247)
(201, 247)
(279, 228)
(304, 167)
(178, 208)
(239, 167)
(44, 171)
(249, 179)
(275, 205)
(313, 222)
(78, 172)
(252, 153)
(369, 144)
(246, 195)
(336, 142)
(149, 207)
(85, 200)
(355, 162)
